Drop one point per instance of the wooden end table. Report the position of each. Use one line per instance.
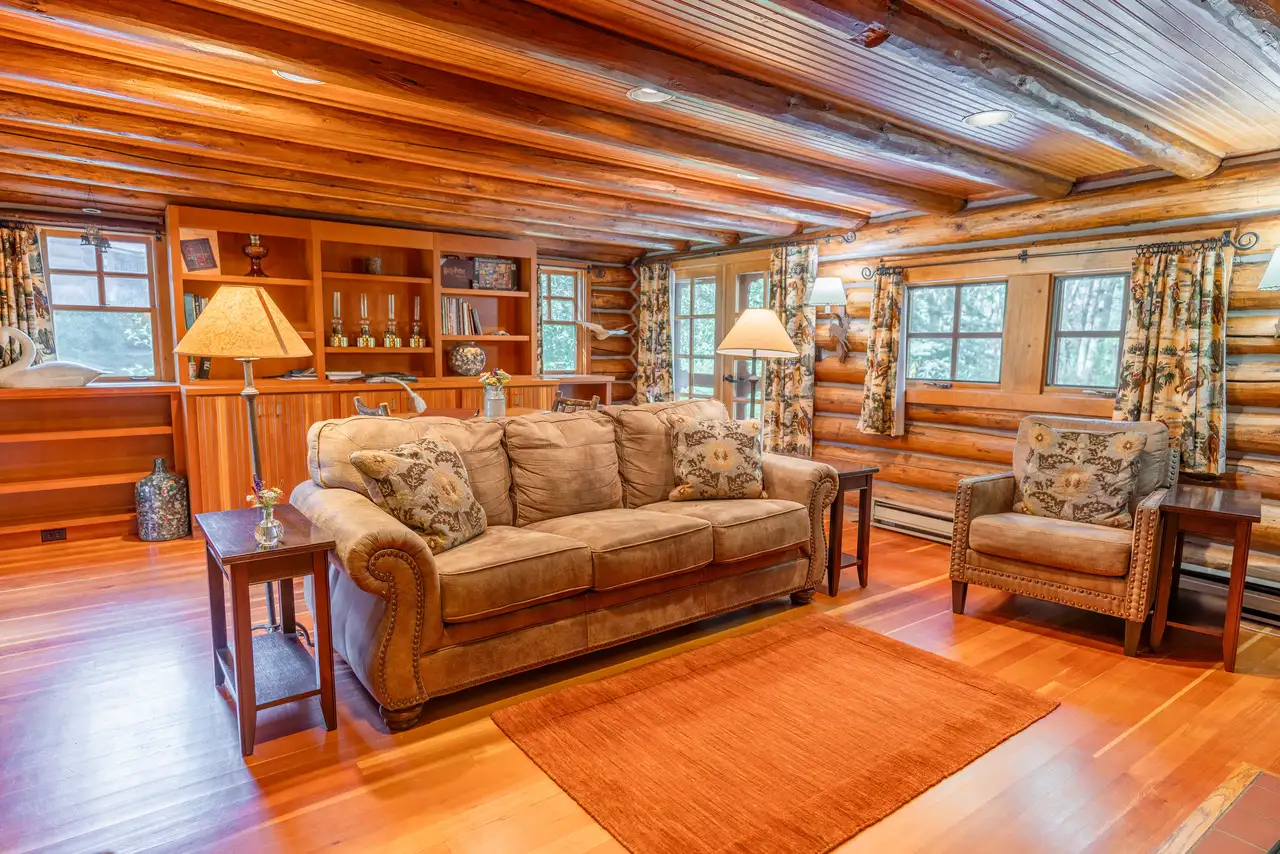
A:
(288, 672)
(1213, 512)
(860, 479)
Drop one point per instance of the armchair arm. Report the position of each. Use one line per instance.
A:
(1144, 565)
(388, 560)
(812, 484)
(977, 496)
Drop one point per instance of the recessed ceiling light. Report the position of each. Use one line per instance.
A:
(91, 210)
(649, 95)
(987, 118)
(296, 78)
(748, 176)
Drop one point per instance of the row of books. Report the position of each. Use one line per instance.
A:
(459, 317)
(197, 366)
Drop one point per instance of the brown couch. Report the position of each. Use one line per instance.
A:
(582, 550)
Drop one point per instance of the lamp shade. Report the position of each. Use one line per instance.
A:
(241, 322)
(758, 333)
(827, 290)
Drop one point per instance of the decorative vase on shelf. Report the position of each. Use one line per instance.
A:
(495, 401)
(162, 504)
(255, 252)
(467, 359)
(269, 530)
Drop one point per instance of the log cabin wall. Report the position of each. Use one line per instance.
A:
(962, 431)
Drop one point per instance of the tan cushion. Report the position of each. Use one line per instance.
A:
(644, 445)
(1079, 475)
(1093, 549)
(716, 459)
(745, 528)
(424, 485)
(505, 569)
(562, 463)
(330, 445)
(1153, 462)
(630, 546)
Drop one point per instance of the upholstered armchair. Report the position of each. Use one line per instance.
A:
(1108, 570)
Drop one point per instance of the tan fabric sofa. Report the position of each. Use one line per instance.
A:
(583, 551)
(1108, 570)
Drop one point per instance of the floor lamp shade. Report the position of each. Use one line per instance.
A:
(759, 334)
(242, 322)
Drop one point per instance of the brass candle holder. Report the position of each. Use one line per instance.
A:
(415, 333)
(389, 338)
(336, 338)
(365, 339)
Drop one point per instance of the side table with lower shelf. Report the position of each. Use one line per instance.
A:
(265, 670)
(860, 479)
(1212, 512)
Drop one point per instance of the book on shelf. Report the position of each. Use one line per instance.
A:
(390, 377)
(459, 317)
(197, 366)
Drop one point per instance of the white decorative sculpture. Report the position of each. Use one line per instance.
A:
(24, 373)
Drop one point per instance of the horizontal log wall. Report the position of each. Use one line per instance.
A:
(613, 306)
(945, 441)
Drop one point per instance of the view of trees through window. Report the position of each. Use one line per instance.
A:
(1088, 326)
(954, 332)
(693, 332)
(560, 290)
(750, 295)
(102, 314)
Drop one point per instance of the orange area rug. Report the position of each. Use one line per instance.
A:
(786, 741)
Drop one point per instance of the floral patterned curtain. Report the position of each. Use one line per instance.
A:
(654, 382)
(24, 297)
(882, 396)
(1173, 367)
(788, 383)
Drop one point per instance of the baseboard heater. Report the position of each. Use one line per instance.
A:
(904, 518)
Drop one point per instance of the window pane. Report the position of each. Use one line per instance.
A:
(73, 290)
(682, 302)
(929, 359)
(753, 283)
(1088, 362)
(680, 373)
(704, 336)
(932, 309)
(559, 347)
(682, 337)
(125, 258)
(116, 342)
(981, 308)
(562, 285)
(704, 377)
(1091, 303)
(66, 253)
(561, 309)
(978, 360)
(704, 296)
(133, 293)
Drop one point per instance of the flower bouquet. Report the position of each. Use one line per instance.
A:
(495, 395)
(269, 530)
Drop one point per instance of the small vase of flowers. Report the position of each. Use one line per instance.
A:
(269, 530)
(495, 392)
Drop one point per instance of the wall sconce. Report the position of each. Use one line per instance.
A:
(1271, 275)
(829, 290)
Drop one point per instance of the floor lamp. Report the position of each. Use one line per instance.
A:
(241, 322)
(758, 334)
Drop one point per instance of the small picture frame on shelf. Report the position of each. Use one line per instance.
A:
(495, 274)
(456, 272)
(199, 248)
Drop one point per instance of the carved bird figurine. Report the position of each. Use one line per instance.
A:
(24, 373)
(600, 332)
(838, 329)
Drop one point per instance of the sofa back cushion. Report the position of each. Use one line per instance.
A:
(562, 464)
(643, 435)
(330, 445)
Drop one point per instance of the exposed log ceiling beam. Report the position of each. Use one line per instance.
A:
(525, 29)
(426, 95)
(970, 63)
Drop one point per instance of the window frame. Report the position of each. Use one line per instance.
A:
(154, 308)
(955, 334)
(693, 275)
(582, 355)
(1055, 333)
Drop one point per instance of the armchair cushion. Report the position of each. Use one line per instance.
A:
(1059, 543)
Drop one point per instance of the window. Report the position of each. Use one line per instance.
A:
(1088, 325)
(750, 294)
(561, 301)
(103, 306)
(693, 309)
(954, 332)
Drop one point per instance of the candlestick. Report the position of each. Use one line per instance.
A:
(415, 332)
(389, 338)
(336, 338)
(365, 339)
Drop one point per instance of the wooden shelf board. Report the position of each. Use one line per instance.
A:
(61, 483)
(370, 351)
(489, 338)
(30, 525)
(189, 278)
(198, 388)
(95, 389)
(370, 277)
(76, 435)
(481, 292)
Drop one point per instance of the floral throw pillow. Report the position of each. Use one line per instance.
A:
(1080, 476)
(716, 459)
(424, 484)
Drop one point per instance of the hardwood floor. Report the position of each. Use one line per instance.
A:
(113, 738)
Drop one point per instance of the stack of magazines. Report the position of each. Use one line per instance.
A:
(459, 318)
(344, 376)
(300, 374)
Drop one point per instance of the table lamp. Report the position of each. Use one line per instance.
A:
(758, 334)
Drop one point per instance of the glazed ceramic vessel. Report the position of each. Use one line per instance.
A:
(164, 510)
(466, 359)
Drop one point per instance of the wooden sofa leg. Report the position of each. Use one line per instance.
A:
(959, 589)
(398, 720)
(1132, 633)
(802, 597)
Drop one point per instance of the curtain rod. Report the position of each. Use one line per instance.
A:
(1245, 242)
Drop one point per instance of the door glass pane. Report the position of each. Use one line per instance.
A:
(750, 291)
(1091, 303)
(680, 372)
(134, 293)
(704, 336)
(932, 309)
(125, 258)
(929, 358)
(981, 308)
(704, 296)
(117, 342)
(682, 302)
(978, 360)
(1087, 362)
(704, 377)
(66, 289)
(66, 253)
(682, 336)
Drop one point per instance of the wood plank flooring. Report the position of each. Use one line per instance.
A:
(113, 738)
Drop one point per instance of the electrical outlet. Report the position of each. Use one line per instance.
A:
(53, 535)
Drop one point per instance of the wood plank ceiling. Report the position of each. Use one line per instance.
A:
(512, 117)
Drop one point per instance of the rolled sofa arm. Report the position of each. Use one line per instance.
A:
(1144, 566)
(812, 484)
(386, 559)
(977, 496)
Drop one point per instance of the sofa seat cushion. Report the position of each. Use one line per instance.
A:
(1075, 546)
(631, 546)
(505, 569)
(745, 528)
